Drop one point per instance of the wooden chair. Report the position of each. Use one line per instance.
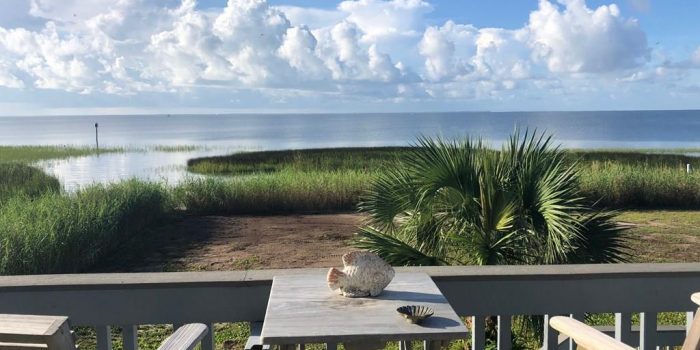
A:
(31, 332)
(588, 338)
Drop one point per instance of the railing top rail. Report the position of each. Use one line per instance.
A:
(257, 277)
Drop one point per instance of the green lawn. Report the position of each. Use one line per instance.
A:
(660, 236)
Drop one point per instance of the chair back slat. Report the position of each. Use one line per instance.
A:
(692, 339)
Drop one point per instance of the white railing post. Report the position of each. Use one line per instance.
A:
(504, 332)
(623, 327)
(647, 330)
(478, 332)
(129, 337)
(550, 340)
(104, 337)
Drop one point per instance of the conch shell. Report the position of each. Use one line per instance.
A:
(364, 274)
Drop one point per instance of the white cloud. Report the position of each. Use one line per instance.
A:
(7, 79)
(378, 18)
(439, 47)
(382, 49)
(577, 39)
(299, 49)
(313, 18)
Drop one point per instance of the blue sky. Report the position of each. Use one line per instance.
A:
(213, 56)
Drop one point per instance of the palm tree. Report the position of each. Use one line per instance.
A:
(460, 202)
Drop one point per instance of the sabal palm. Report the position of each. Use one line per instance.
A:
(459, 202)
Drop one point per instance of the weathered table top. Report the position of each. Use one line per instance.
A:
(302, 309)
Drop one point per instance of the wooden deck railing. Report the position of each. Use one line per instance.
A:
(131, 299)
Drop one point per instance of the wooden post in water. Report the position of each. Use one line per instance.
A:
(97, 141)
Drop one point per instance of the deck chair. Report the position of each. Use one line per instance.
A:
(31, 332)
(589, 338)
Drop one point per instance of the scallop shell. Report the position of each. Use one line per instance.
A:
(364, 274)
(415, 313)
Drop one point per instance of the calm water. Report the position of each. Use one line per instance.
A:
(227, 133)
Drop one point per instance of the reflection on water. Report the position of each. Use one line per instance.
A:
(167, 167)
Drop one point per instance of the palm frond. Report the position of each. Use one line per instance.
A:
(392, 249)
(602, 240)
(392, 193)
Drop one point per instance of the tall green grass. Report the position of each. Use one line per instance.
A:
(282, 192)
(60, 233)
(612, 178)
(23, 180)
(642, 186)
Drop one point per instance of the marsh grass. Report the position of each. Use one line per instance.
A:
(327, 159)
(285, 191)
(67, 233)
(624, 186)
(23, 180)
(612, 178)
(29, 154)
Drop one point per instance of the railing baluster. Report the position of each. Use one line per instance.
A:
(580, 317)
(432, 345)
(478, 332)
(129, 337)
(504, 332)
(647, 330)
(104, 337)
(623, 327)
(208, 340)
(551, 338)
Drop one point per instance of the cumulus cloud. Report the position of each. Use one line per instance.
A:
(577, 39)
(440, 45)
(382, 48)
(378, 18)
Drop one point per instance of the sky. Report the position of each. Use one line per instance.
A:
(60, 57)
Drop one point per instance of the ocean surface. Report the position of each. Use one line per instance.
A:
(222, 134)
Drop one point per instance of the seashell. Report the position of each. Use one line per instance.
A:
(364, 274)
(415, 313)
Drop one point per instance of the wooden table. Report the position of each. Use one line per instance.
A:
(303, 310)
